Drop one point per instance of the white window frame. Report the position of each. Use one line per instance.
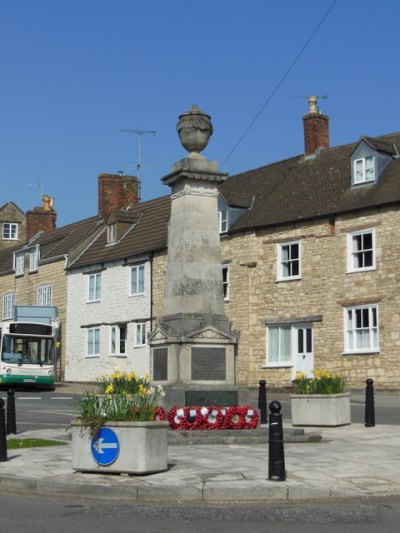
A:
(288, 262)
(93, 342)
(34, 256)
(286, 334)
(118, 340)
(361, 329)
(225, 281)
(276, 359)
(223, 219)
(137, 280)
(19, 263)
(140, 334)
(10, 231)
(355, 256)
(364, 169)
(8, 305)
(111, 233)
(43, 295)
(94, 287)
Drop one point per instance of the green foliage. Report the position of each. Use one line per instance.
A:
(122, 397)
(323, 382)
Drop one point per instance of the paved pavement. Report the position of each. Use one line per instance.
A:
(349, 461)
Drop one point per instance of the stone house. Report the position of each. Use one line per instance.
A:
(312, 265)
(33, 273)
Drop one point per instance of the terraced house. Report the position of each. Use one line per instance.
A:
(32, 273)
(111, 293)
(310, 267)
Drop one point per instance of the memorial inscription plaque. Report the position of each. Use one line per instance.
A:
(208, 364)
(160, 364)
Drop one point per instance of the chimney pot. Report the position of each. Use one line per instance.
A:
(41, 218)
(316, 128)
(313, 104)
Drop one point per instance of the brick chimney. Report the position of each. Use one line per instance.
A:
(116, 192)
(316, 128)
(41, 218)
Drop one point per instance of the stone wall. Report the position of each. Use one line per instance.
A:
(324, 290)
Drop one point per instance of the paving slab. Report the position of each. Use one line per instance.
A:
(349, 461)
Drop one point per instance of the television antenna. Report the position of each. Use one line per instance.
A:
(39, 184)
(139, 134)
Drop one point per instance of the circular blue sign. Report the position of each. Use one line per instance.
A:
(105, 447)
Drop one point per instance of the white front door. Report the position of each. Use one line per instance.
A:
(303, 350)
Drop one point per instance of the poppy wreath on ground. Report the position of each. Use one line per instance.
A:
(177, 418)
(197, 417)
(160, 414)
(185, 418)
(213, 419)
(242, 417)
(225, 422)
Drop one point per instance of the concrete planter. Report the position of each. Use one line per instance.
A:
(121, 447)
(320, 409)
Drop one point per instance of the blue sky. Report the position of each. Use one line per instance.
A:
(76, 72)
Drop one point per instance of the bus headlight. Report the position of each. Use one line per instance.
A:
(8, 371)
(50, 372)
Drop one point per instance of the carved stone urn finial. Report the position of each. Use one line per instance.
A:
(194, 129)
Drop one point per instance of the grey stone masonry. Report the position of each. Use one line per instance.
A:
(193, 279)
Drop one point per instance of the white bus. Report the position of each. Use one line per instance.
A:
(28, 354)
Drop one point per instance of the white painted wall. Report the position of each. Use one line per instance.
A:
(116, 305)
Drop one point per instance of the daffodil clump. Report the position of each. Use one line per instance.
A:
(322, 382)
(121, 397)
(123, 383)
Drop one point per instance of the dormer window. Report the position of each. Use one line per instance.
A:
(223, 220)
(370, 159)
(19, 263)
(34, 256)
(111, 233)
(364, 169)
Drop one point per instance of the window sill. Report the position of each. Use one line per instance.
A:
(364, 354)
(93, 301)
(278, 365)
(283, 280)
(119, 355)
(368, 269)
(94, 356)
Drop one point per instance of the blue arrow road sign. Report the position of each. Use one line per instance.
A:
(105, 447)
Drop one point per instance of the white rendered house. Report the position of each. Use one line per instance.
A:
(108, 319)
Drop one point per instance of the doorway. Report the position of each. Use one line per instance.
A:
(303, 350)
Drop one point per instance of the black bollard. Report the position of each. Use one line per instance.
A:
(262, 401)
(369, 404)
(3, 433)
(276, 456)
(11, 419)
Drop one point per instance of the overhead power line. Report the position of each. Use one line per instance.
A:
(280, 82)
